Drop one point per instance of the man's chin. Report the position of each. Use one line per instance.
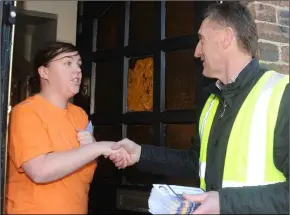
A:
(205, 73)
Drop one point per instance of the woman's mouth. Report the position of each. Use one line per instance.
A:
(76, 81)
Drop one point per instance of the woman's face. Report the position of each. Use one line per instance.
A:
(63, 74)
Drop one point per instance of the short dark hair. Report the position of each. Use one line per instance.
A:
(237, 16)
(45, 54)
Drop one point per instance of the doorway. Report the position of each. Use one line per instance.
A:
(141, 81)
(21, 35)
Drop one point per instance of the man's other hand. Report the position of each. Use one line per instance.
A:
(209, 202)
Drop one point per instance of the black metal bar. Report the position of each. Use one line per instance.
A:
(139, 118)
(105, 55)
(158, 138)
(178, 117)
(141, 50)
(182, 42)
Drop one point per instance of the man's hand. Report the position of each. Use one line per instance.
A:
(209, 202)
(132, 155)
(85, 137)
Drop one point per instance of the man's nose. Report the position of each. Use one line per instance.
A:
(197, 52)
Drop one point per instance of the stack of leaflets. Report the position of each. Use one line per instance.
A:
(167, 199)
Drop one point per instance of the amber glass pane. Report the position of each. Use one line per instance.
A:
(107, 29)
(141, 134)
(178, 136)
(180, 80)
(108, 87)
(142, 26)
(179, 18)
(140, 85)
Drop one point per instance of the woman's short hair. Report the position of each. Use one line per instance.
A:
(45, 54)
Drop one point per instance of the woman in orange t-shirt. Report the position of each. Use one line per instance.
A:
(51, 158)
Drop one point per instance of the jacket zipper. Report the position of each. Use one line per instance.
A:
(224, 109)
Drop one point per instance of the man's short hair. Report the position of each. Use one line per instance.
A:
(237, 16)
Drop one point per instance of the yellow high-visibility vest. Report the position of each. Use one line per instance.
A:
(249, 156)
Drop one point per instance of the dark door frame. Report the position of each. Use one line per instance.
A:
(7, 21)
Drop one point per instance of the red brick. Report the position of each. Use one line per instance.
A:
(273, 32)
(268, 52)
(279, 3)
(283, 17)
(285, 53)
(263, 12)
(246, 2)
(278, 68)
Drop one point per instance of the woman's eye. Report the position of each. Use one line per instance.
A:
(69, 63)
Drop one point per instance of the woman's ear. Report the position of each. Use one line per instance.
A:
(43, 72)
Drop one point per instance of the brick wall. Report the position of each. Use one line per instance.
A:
(272, 19)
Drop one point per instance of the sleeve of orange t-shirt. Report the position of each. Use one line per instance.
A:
(85, 118)
(27, 136)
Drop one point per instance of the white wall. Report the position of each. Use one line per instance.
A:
(66, 12)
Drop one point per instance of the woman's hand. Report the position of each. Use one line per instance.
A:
(85, 137)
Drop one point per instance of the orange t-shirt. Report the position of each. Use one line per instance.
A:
(38, 127)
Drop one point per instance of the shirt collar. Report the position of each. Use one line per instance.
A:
(220, 85)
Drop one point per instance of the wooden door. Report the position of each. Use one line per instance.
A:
(144, 84)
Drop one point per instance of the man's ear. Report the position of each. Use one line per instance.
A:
(43, 72)
(228, 37)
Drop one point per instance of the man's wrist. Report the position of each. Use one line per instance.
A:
(139, 152)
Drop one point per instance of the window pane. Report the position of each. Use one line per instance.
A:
(178, 136)
(180, 80)
(107, 88)
(179, 18)
(107, 133)
(107, 29)
(142, 27)
(140, 84)
(141, 134)
(106, 168)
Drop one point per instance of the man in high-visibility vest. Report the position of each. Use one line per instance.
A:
(243, 158)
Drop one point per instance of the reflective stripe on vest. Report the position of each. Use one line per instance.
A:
(250, 145)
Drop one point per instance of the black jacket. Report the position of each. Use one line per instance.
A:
(184, 163)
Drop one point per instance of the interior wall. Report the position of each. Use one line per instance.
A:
(66, 12)
(42, 34)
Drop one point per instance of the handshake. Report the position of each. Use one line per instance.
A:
(123, 153)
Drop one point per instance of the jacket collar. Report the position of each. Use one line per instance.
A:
(229, 91)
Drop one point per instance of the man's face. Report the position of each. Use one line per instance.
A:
(63, 74)
(209, 48)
